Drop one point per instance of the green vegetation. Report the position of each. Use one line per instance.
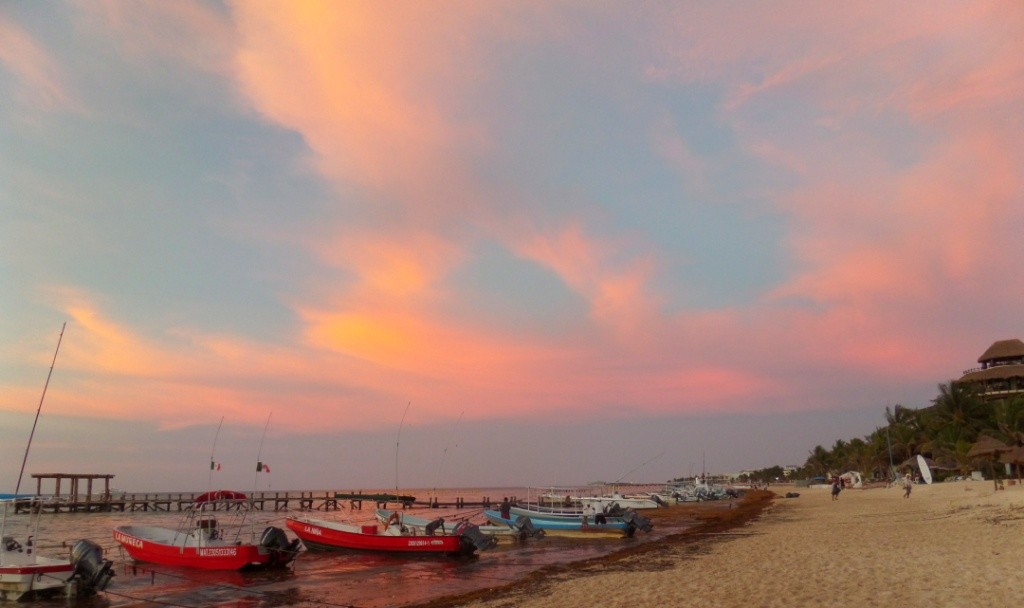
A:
(943, 432)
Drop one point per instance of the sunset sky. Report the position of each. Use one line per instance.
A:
(495, 243)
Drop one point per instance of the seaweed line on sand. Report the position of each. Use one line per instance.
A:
(650, 556)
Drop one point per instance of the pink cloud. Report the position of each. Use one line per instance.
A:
(42, 83)
(374, 92)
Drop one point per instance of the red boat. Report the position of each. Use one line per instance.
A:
(464, 540)
(203, 542)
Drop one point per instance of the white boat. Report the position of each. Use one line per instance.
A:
(603, 503)
(24, 573)
(27, 575)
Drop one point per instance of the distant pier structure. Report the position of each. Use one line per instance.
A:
(76, 499)
(70, 495)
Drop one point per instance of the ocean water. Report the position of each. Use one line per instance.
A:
(317, 578)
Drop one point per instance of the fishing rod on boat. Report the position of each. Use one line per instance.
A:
(213, 450)
(437, 480)
(17, 488)
(640, 466)
(260, 467)
(398, 439)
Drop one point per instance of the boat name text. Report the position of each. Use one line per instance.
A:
(220, 552)
(124, 539)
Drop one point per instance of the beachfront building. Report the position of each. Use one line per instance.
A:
(1001, 374)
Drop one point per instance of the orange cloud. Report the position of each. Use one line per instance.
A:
(368, 89)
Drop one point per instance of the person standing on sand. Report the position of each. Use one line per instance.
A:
(835, 489)
(505, 508)
(908, 485)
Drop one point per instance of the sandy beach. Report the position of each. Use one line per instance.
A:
(949, 544)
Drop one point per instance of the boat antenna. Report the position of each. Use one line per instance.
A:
(259, 454)
(397, 440)
(643, 464)
(213, 449)
(443, 454)
(17, 488)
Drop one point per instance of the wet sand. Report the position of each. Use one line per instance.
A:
(949, 544)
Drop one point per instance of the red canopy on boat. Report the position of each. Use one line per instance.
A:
(220, 495)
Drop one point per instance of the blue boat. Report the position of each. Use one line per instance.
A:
(625, 526)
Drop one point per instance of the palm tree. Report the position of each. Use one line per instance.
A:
(840, 456)
(1008, 420)
(819, 461)
(960, 407)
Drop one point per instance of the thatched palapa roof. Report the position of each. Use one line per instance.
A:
(1003, 349)
(986, 446)
(999, 372)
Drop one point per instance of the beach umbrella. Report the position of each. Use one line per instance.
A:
(989, 448)
(1013, 455)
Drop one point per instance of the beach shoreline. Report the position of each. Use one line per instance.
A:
(706, 521)
(948, 544)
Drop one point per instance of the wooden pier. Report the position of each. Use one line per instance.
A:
(76, 501)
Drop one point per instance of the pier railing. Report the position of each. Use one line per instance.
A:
(317, 500)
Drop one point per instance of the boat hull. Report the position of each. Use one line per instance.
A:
(142, 544)
(321, 534)
(562, 515)
(20, 581)
(559, 524)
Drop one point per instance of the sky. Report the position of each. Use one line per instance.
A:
(487, 244)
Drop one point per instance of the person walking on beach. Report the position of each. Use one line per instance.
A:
(835, 489)
(908, 485)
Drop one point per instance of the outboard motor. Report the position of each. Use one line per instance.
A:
(524, 529)
(635, 522)
(91, 569)
(472, 533)
(613, 510)
(657, 499)
(275, 540)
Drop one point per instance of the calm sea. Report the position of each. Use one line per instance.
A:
(360, 580)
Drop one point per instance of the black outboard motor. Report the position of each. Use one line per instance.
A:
(635, 521)
(524, 529)
(472, 533)
(657, 499)
(91, 569)
(613, 510)
(277, 542)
